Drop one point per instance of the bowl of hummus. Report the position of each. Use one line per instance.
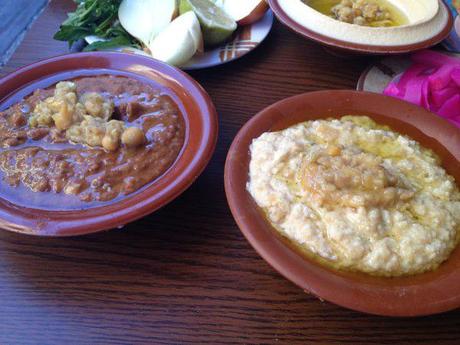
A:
(92, 141)
(367, 26)
(353, 192)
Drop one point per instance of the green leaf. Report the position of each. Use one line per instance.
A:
(114, 42)
(71, 33)
(80, 16)
(99, 18)
(103, 28)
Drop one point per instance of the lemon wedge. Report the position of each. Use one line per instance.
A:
(216, 24)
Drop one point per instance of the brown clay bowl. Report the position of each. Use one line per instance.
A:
(344, 48)
(201, 135)
(422, 294)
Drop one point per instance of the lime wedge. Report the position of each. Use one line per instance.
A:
(216, 25)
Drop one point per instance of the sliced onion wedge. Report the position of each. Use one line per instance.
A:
(179, 41)
(144, 19)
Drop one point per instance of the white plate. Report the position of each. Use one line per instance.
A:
(377, 77)
(245, 39)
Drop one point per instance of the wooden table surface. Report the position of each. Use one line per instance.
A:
(15, 17)
(185, 274)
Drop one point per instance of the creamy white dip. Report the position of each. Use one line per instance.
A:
(358, 195)
(426, 19)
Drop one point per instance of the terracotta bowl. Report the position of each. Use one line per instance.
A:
(342, 47)
(422, 294)
(201, 134)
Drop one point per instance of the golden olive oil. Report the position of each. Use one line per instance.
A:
(398, 18)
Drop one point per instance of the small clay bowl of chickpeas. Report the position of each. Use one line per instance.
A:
(100, 139)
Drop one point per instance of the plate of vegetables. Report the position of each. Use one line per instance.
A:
(190, 34)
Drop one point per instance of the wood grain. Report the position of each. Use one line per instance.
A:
(15, 18)
(185, 274)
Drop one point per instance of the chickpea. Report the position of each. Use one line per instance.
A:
(133, 137)
(345, 14)
(359, 20)
(96, 105)
(63, 119)
(93, 103)
(64, 87)
(109, 143)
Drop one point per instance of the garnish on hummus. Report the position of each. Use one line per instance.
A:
(356, 196)
(375, 13)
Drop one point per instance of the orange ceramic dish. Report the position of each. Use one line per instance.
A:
(421, 294)
(156, 82)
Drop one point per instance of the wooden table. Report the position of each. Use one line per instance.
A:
(185, 274)
(15, 17)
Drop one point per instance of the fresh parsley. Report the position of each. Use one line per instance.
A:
(99, 18)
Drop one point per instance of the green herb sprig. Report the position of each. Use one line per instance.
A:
(99, 18)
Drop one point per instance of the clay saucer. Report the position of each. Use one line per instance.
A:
(422, 294)
(341, 47)
(201, 135)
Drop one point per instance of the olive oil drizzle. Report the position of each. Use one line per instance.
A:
(397, 18)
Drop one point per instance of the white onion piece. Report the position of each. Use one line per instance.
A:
(144, 19)
(180, 40)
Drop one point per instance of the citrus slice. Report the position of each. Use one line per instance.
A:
(216, 24)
